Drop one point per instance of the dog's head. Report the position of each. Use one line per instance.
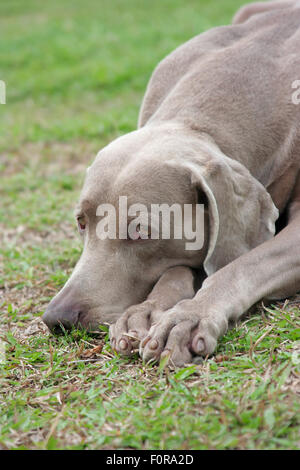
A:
(153, 199)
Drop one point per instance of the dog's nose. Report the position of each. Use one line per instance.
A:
(57, 320)
(64, 311)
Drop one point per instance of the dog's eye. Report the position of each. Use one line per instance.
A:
(81, 224)
(139, 233)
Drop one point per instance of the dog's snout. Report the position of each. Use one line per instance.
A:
(64, 311)
(57, 320)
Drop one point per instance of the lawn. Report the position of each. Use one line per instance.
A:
(75, 74)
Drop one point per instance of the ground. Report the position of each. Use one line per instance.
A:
(75, 74)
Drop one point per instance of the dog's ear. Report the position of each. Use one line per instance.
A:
(241, 212)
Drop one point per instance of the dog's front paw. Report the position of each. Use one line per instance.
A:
(126, 334)
(183, 332)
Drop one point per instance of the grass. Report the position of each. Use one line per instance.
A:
(75, 75)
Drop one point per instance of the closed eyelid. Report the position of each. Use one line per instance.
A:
(79, 213)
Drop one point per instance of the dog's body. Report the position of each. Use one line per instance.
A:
(219, 121)
(235, 84)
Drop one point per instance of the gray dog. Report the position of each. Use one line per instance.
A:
(220, 126)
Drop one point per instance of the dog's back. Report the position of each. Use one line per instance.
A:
(236, 84)
(247, 11)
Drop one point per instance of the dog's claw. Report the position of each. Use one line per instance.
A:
(123, 344)
(133, 327)
(182, 333)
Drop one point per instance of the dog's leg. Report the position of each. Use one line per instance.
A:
(271, 270)
(174, 285)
